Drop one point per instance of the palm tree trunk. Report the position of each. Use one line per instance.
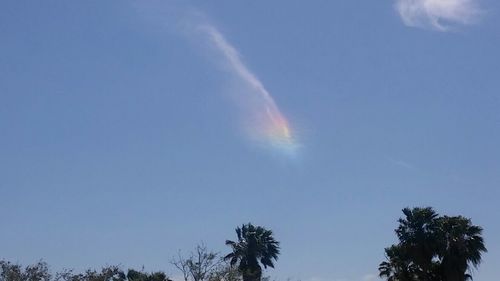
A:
(252, 274)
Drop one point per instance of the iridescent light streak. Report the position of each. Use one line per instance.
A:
(269, 124)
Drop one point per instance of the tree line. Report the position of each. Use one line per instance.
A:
(430, 248)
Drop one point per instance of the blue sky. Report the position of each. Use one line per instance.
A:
(123, 136)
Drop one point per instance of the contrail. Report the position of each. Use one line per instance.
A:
(271, 126)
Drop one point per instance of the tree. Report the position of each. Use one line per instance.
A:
(201, 265)
(433, 248)
(225, 272)
(205, 265)
(134, 275)
(461, 246)
(398, 266)
(15, 272)
(417, 236)
(40, 272)
(111, 273)
(255, 246)
(107, 273)
(10, 272)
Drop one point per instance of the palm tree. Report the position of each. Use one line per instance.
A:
(461, 246)
(398, 266)
(255, 246)
(417, 235)
(433, 248)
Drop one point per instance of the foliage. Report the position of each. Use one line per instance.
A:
(15, 272)
(433, 248)
(256, 245)
(134, 275)
(40, 272)
(204, 265)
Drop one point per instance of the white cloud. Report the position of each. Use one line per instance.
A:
(233, 58)
(438, 14)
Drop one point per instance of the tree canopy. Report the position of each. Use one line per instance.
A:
(255, 246)
(433, 247)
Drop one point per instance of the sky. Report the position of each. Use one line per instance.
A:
(130, 130)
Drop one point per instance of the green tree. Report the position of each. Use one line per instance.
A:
(417, 233)
(255, 246)
(10, 271)
(134, 275)
(15, 272)
(107, 273)
(40, 272)
(433, 248)
(398, 267)
(461, 246)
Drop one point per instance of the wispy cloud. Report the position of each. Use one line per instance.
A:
(235, 62)
(262, 120)
(439, 15)
(400, 163)
(265, 122)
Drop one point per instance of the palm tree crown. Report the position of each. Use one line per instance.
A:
(461, 246)
(433, 248)
(256, 245)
